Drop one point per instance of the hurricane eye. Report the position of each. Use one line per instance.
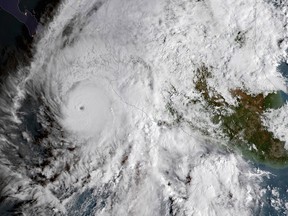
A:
(86, 109)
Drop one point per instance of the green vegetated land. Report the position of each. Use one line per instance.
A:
(243, 126)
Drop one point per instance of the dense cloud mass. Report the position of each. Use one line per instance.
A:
(100, 123)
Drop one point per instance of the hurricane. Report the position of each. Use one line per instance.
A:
(108, 119)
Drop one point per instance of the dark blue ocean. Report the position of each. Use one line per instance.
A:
(15, 31)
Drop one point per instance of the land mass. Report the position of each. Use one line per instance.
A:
(27, 18)
(15, 39)
(244, 126)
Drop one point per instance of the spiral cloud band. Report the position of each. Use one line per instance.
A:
(113, 131)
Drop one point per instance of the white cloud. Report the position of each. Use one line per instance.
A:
(109, 79)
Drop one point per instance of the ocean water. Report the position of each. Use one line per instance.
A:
(83, 118)
(275, 200)
(13, 28)
(15, 39)
(283, 69)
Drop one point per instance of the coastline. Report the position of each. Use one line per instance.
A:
(16, 41)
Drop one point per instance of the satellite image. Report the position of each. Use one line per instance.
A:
(144, 107)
